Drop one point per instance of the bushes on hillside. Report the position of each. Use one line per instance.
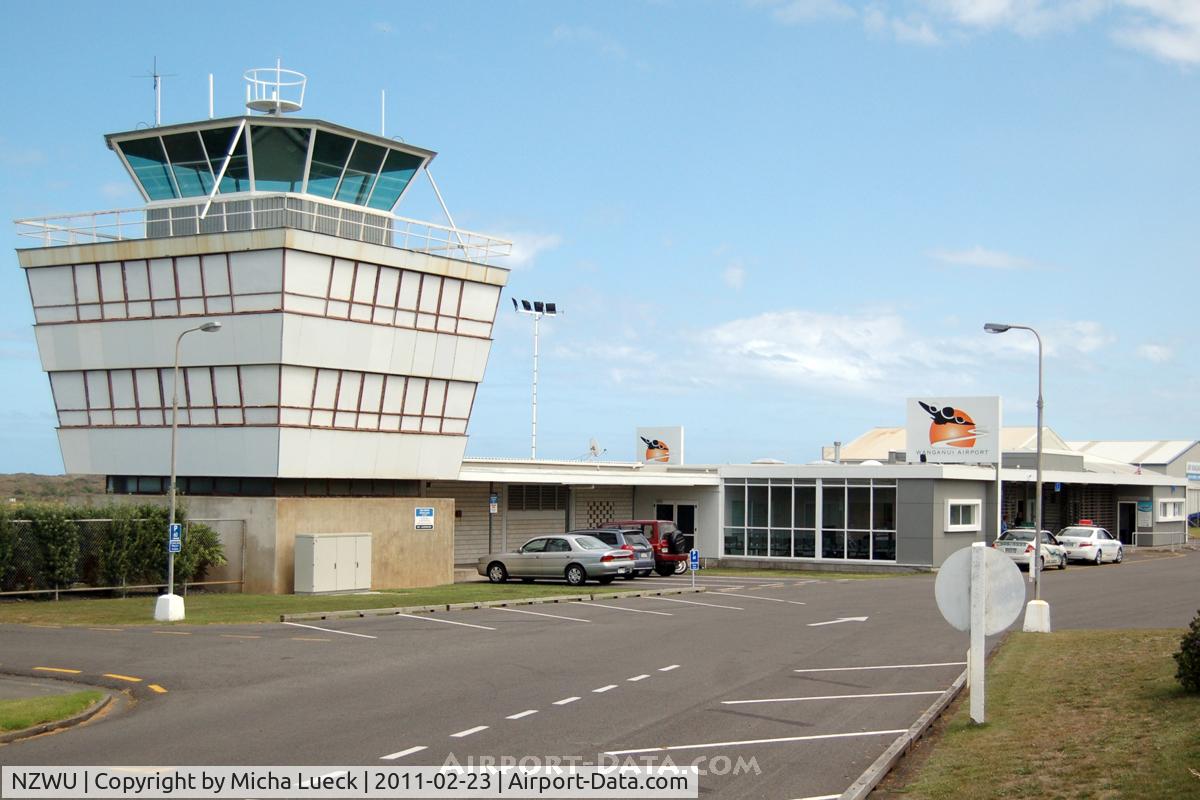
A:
(1188, 657)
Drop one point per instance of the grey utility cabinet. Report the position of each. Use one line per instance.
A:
(332, 562)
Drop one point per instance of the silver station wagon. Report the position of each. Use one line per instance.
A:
(572, 557)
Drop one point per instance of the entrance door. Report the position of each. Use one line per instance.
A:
(682, 514)
(1126, 522)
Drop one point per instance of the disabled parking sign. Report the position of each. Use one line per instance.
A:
(694, 559)
(175, 538)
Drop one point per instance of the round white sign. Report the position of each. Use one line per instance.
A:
(1004, 594)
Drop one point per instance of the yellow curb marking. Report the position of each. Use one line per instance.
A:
(59, 669)
(154, 687)
(238, 636)
(129, 678)
(307, 639)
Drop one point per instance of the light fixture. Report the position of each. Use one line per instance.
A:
(536, 309)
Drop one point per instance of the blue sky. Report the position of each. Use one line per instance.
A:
(766, 221)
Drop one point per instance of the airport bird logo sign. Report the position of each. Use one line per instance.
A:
(657, 451)
(953, 430)
(951, 426)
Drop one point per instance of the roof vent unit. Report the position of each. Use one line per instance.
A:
(275, 90)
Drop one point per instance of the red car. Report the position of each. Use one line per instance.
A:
(670, 544)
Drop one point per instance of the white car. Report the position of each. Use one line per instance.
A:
(1091, 543)
(1017, 544)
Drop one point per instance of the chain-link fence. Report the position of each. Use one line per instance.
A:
(39, 557)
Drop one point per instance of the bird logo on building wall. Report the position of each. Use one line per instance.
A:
(656, 450)
(951, 426)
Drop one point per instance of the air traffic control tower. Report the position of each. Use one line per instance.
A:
(352, 339)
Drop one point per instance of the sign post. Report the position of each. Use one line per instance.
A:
(979, 590)
(694, 563)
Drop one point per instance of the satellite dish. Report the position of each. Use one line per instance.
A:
(594, 449)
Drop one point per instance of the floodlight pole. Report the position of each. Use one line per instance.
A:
(533, 441)
(1041, 625)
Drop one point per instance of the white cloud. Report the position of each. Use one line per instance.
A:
(1067, 339)
(1166, 29)
(1158, 353)
(591, 38)
(1024, 17)
(527, 246)
(115, 190)
(907, 31)
(980, 257)
(734, 276)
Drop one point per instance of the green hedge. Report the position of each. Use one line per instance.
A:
(113, 545)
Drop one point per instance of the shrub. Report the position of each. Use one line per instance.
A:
(201, 549)
(117, 546)
(1188, 657)
(8, 543)
(57, 538)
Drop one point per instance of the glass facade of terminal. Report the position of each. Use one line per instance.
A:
(844, 519)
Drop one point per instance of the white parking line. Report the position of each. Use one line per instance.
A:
(604, 689)
(523, 714)
(886, 666)
(820, 797)
(770, 585)
(404, 753)
(565, 701)
(637, 678)
(825, 697)
(694, 603)
(330, 630)
(710, 745)
(759, 597)
(540, 614)
(668, 669)
(468, 731)
(631, 610)
(446, 622)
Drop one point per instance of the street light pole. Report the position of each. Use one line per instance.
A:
(537, 309)
(1037, 617)
(172, 609)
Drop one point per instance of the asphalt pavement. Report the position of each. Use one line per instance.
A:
(775, 688)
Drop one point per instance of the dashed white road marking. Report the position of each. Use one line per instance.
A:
(446, 621)
(826, 697)
(770, 585)
(637, 678)
(668, 669)
(695, 603)
(540, 614)
(760, 597)
(886, 666)
(330, 630)
(710, 745)
(604, 689)
(631, 610)
(523, 714)
(403, 753)
(469, 732)
(565, 701)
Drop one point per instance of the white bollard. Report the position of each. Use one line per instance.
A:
(975, 660)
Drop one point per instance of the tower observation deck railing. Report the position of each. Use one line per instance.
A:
(259, 211)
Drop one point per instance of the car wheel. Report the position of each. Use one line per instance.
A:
(526, 580)
(1120, 554)
(497, 573)
(576, 575)
(645, 573)
(1099, 556)
(664, 568)
(630, 576)
(606, 580)
(681, 567)
(1062, 564)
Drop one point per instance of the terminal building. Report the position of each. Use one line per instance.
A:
(337, 395)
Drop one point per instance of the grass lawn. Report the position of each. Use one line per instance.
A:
(1194, 533)
(236, 608)
(17, 715)
(1094, 714)
(821, 575)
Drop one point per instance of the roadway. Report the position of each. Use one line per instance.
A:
(756, 669)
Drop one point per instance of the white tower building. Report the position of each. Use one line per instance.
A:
(353, 339)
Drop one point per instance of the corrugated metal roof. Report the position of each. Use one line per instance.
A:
(878, 442)
(1150, 451)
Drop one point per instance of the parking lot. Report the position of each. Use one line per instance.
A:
(774, 687)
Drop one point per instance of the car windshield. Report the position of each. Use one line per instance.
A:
(1082, 533)
(591, 543)
(1017, 536)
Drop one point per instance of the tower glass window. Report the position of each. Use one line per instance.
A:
(279, 156)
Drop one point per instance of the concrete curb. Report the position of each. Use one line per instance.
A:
(69, 722)
(523, 601)
(875, 773)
